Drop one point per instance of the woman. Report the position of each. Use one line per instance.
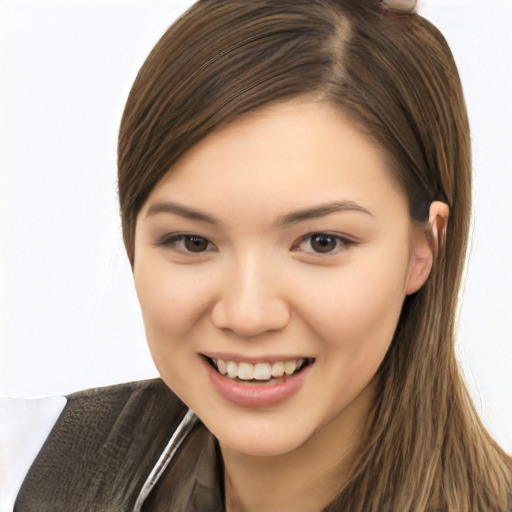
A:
(294, 182)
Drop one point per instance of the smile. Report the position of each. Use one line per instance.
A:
(258, 384)
(252, 384)
(259, 372)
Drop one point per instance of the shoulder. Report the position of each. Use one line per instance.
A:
(93, 416)
(102, 447)
(100, 404)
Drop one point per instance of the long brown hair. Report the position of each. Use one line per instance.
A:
(425, 448)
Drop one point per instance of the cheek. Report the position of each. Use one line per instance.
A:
(355, 318)
(172, 300)
(376, 299)
(357, 308)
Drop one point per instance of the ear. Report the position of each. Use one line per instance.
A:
(425, 246)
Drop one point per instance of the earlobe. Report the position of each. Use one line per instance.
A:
(426, 245)
(421, 262)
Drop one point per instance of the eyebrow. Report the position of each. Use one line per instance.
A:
(182, 211)
(285, 220)
(321, 211)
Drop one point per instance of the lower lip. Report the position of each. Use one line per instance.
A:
(256, 395)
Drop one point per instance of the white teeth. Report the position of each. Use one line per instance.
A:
(222, 366)
(262, 371)
(289, 367)
(232, 369)
(258, 371)
(245, 371)
(278, 369)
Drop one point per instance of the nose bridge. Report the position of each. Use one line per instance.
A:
(251, 301)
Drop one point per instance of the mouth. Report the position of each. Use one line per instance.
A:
(264, 372)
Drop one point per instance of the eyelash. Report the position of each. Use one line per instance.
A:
(178, 241)
(341, 243)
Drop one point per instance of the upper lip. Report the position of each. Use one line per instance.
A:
(256, 359)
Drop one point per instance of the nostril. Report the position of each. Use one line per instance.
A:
(248, 320)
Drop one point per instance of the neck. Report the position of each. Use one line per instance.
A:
(307, 478)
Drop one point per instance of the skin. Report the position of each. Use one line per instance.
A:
(261, 290)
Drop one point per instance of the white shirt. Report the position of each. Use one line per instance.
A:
(25, 423)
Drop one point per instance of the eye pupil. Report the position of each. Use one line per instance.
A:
(323, 243)
(195, 243)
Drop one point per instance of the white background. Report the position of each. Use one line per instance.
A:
(69, 318)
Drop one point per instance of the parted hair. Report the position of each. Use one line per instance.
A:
(424, 448)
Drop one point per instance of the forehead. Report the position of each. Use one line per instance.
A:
(284, 156)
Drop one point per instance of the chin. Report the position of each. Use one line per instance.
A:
(259, 439)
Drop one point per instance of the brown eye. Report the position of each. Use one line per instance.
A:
(323, 243)
(195, 243)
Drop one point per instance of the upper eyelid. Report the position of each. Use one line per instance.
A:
(344, 243)
(180, 234)
(340, 236)
(176, 237)
(344, 239)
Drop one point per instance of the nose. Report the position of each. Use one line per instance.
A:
(250, 302)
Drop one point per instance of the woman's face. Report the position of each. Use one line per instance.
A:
(278, 250)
